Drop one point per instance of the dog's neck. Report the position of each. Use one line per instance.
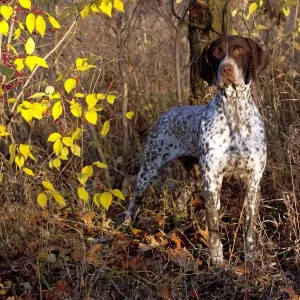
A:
(236, 103)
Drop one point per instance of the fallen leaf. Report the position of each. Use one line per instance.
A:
(176, 240)
(292, 294)
(93, 255)
(78, 253)
(164, 293)
(61, 288)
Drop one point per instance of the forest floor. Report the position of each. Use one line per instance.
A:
(82, 254)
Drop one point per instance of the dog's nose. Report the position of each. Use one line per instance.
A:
(227, 69)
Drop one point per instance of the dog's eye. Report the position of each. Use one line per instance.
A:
(217, 51)
(240, 51)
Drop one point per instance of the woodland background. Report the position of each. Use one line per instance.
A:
(71, 245)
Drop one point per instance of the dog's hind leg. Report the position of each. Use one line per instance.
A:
(159, 151)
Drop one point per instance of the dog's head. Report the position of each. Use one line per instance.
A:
(232, 60)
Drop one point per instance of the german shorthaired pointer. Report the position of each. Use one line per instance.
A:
(227, 136)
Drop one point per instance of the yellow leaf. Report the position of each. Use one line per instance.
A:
(100, 165)
(96, 199)
(118, 4)
(111, 99)
(42, 200)
(70, 84)
(13, 49)
(25, 3)
(19, 64)
(82, 179)
(4, 28)
(105, 128)
(32, 157)
(12, 153)
(28, 171)
(59, 199)
(252, 8)
(67, 141)
(85, 12)
(49, 89)
(286, 11)
(40, 61)
(129, 115)
(64, 151)
(27, 114)
(6, 11)
(19, 160)
(77, 134)
(37, 95)
(87, 171)
(106, 7)
(37, 109)
(260, 27)
(40, 25)
(17, 33)
(57, 110)
(118, 194)
(234, 12)
(21, 25)
(56, 163)
(54, 137)
(48, 185)
(3, 131)
(234, 32)
(30, 62)
(91, 116)
(100, 96)
(1, 177)
(50, 164)
(63, 157)
(91, 100)
(106, 199)
(57, 146)
(94, 8)
(83, 194)
(54, 22)
(75, 108)
(79, 95)
(11, 100)
(30, 22)
(24, 150)
(30, 46)
(76, 150)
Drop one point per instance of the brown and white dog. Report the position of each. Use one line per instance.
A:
(227, 136)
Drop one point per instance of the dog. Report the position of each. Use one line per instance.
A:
(227, 136)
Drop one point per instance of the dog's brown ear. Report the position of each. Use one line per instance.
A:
(206, 71)
(259, 59)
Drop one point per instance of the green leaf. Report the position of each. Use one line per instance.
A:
(91, 116)
(48, 185)
(30, 22)
(70, 84)
(6, 11)
(54, 137)
(118, 194)
(83, 194)
(100, 165)
(105, 128)
(30, 46)
(88, 171)
(106, 199)
(57, 110)
(25, 3)
(8, 72)
(42, 200)
(40, 25)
